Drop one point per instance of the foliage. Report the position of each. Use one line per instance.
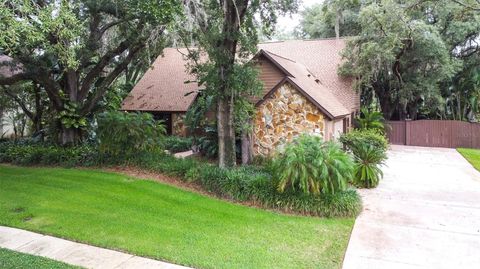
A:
(318, 21)
(77, 49)
(208, 143)
(364, 137)
(412, 63)
(176, 144)
(226, 33)
(25, 100)
(126, 133)
(196, 118)
(151, 219)
(370, 120)
(28, 153)
(341, 204)
(367, 167)
(461, 95)
(311, 166)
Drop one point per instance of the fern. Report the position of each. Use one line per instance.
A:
(367, 168)
(312, 166)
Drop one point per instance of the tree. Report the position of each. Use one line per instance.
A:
(30, 99)
(415, 58)
(400, 58)
(76, 49)
(226, 36)
(332, 18)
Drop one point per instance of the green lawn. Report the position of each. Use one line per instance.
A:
(16, 260)
(156, 220)
(472, 155)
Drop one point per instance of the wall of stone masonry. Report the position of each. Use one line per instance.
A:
(281, 117)
(178, 124)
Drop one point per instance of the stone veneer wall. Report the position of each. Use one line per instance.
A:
(283, 116)
(178, 124)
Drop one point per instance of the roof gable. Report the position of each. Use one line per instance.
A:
(306, 83)
(322, 57)
(163, 87)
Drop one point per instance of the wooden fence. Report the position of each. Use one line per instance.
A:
(434, 133)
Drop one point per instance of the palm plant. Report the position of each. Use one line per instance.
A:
(370, 119)
(311, 166)
(367, 168)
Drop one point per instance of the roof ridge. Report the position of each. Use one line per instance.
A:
(305, 39)
(325, 38)
(280, 56)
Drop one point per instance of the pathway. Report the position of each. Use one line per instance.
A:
(424, 214)
(74, 253)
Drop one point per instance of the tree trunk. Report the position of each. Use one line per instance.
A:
(338, 17)
(69, 136)
(1, 122)
(247, 147)
(226, 132)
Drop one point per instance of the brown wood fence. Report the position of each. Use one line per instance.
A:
(434, 133)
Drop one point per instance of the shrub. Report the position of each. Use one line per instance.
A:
(177, 144)
(341, 204)
(358, 137)
(208, 143)
(126, 133)
(312, 166)
(248, 183)
(175, 167)
(235, 183)
(371, 120)
(45, 154)
(367, 168)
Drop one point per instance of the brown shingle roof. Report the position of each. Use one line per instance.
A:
(162, 88)
(309, 85)
(322, 58)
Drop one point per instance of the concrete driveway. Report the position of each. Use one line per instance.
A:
(424, 214)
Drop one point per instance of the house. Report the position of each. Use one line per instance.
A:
(302, 92)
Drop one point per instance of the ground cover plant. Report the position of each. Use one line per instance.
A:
(160, 221)
(176, 144)
(245, 184)
(472, 155)
(14, 260)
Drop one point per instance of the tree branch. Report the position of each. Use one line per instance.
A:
(466, 5)
(104, 61)
(22, 104)
(105, 84)
(13, 79)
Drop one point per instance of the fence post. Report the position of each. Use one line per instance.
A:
(407, 131)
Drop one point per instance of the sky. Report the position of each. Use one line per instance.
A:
(288, 23)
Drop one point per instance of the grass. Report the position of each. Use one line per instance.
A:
(14, 260)
(472, 155)
(160, 221)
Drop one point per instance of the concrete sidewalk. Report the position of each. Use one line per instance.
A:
(72, 252)
(424, 214)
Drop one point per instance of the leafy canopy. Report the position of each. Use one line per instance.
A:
(77, 49)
